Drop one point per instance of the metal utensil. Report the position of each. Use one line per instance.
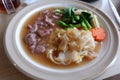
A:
(89, 1)
(115, 6)
(8, 4)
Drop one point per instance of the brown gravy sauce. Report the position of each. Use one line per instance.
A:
(41, 58)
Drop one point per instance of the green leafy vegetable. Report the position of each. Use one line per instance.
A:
(85, 20)
(63, 24)
(84, 25)
(70, 19)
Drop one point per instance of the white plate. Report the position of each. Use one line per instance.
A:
(34, 70)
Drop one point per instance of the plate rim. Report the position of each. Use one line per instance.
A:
(27, 8)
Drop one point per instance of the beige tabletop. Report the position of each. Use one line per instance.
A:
(9, 72)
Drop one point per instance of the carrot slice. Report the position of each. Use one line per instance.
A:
(98, 34)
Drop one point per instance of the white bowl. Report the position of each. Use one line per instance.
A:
(25, 64)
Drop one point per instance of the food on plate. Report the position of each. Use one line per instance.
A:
(63, 36)
(98, 34)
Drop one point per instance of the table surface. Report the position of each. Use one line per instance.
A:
(9, 72)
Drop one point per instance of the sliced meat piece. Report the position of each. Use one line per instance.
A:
(49, 21)
(30, 38)
(45, 12)
(40, 49)
(32, 47)
(33, 28)
(44, 32)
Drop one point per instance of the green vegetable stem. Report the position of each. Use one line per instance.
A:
(71, 20)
